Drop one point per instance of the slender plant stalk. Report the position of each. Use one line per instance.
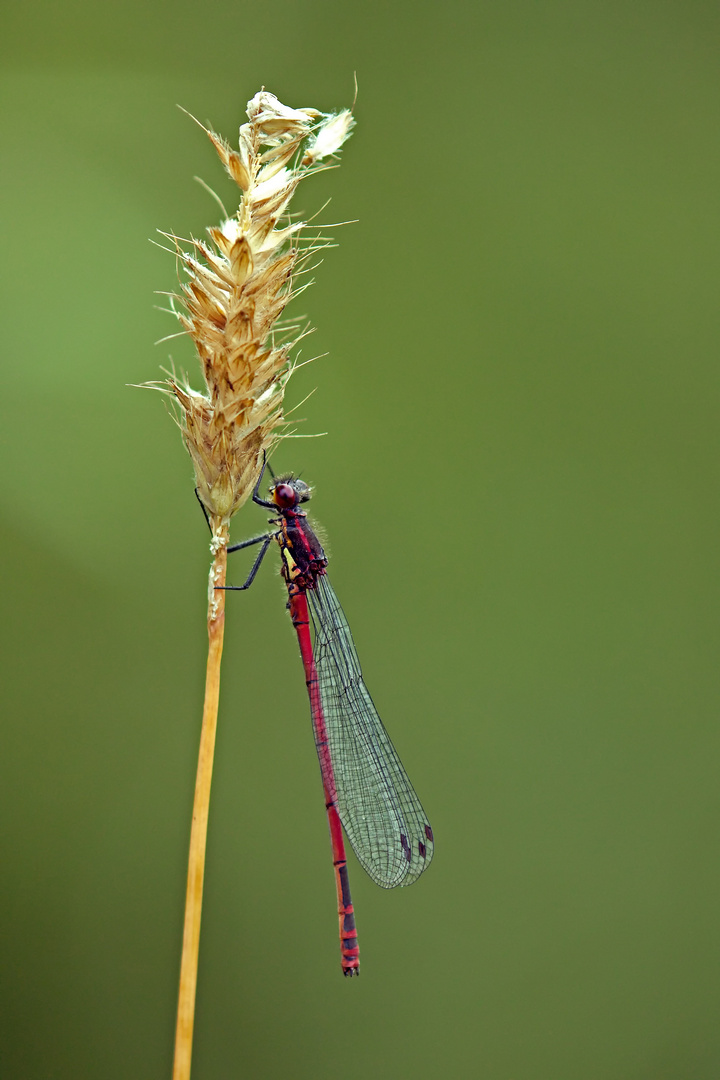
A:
(201, 807)
(238, 283)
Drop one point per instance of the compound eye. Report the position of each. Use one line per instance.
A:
(284, 496)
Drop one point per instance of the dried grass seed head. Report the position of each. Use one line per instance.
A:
(237, 287)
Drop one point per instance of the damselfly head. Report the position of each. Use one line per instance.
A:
(288, 491)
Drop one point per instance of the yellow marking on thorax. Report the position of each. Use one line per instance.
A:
(292, 566)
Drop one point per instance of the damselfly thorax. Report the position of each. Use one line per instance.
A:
(303, 558)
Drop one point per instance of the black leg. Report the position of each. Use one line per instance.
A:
(249, 543)
(256, 497)
(255, 567)
(202, 507)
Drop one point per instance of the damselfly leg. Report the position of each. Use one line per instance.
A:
(265, 540)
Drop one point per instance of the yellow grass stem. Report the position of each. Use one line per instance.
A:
(201, 806)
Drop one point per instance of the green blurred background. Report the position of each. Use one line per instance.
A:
(520, 489)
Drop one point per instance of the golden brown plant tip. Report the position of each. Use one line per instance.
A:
(236, 289)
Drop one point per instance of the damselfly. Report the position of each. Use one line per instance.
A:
(367, 790)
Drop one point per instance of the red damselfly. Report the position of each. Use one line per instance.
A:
(367, 791)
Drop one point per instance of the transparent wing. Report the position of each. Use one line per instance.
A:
(379, 810)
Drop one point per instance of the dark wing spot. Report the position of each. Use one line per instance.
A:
(428, 833)
(405, 846)
(421, 849)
